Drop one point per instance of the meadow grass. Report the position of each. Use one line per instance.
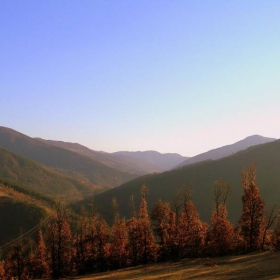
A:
(260, 265)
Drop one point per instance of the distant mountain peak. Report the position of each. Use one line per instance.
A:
(227, 150)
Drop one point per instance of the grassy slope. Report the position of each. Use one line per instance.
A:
(263, 265)
(62, 160)
(201, 176)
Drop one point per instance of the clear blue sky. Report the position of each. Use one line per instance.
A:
(172, 76)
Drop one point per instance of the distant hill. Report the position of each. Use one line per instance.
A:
(64, 161)
(121, 162)
(201, 176)
(40, 178)
(162, 161)
(228, 150)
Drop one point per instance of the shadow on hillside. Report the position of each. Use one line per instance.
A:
(262, 265)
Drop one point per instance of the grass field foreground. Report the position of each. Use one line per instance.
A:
(261, 265)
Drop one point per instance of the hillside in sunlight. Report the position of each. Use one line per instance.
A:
(63, 161)
(40, 178)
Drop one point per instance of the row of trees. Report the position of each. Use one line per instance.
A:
(170, 232)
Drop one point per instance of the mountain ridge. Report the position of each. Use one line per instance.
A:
(138, 162)
(125, 164)
(164, 161)
(227, 150)
(62, 160)
(201, 176)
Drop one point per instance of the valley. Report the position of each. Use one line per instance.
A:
(97, 198)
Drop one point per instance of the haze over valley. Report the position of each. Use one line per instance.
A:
(54, 168)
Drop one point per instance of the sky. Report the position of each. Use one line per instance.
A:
(172, 76)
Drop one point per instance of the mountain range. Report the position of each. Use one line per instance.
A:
(228, 149)
(132, 162)
(200, 176)
(34, 171)
(63, 161)
(39, 178)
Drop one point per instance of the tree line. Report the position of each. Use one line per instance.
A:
(171, 231)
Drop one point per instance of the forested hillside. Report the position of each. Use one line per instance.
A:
(200, 178)
(20, 212)
(40, 178)
(62, 160)
(131, 162)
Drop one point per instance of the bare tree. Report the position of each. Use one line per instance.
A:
(270, 217)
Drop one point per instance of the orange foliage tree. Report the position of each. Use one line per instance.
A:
(102, 243)
(17, 264)
(2, 270)
(141, 239)
(119, 239)
(39, 262)
(119, 244)
(58, 237)
(160, 222)
(222, 232)
(191, 230)
(251, 220)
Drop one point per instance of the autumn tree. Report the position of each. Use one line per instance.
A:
(172, 235)
(92, 243)
(119, 239)
(276, 236)
(17, 264)
(133, 244)
(160, 223)
(146, 237)
(2, 271)
(191, 230)
(102, 243)
(39, 262)
(143, 208)
(119, 244)
(141, 239)
(175, 223)
(220, 237)
(58, 237)
(253, 210)
(270, 218)
(88, 253)
(81, 243)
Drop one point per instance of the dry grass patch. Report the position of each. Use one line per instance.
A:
(261, 265)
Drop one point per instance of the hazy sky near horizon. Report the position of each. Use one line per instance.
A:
(173, 76)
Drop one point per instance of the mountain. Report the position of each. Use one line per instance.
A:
(39, 178)
(64, 161)
(228, 150)
(116, 161)
(201, 176)
(162, 161)
(132, 162)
